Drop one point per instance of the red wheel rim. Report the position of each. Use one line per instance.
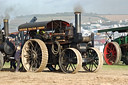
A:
(110, 54)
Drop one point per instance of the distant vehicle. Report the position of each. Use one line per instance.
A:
(116, 49)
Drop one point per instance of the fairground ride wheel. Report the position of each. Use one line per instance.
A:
(112, 53)
(34, 55)
(94, 60)
(70, 60)
(1, 61)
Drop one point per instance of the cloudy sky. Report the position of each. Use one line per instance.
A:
(26, 7)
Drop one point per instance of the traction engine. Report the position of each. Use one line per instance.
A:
(58, 45)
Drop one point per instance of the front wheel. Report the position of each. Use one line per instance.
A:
(93, 60)
(70, 60)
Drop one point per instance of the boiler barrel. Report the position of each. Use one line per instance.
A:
(7, 47)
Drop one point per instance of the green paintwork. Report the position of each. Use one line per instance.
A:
(121, 40)
(119, 29)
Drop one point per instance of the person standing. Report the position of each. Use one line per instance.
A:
(17, 57)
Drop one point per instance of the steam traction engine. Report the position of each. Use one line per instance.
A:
(58, 45)
(116, 49)
(7, 46)
(8, 43)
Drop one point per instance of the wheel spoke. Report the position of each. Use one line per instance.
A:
(108, 48)
(38, 51)
(86, 67)
(39, 54)
(74, 66)
(90, 66)
(31, 44)
(30, 66)
(68, 67)
(111, 59)
(36, 65)
(95, 64)
(71, 66)
(36, 46)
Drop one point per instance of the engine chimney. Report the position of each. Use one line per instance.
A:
(6, 28)
(77, 31)
(78, 22)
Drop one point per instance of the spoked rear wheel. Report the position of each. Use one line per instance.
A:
(112, 53)
(94, 60)
(70, 60)
(34, 55)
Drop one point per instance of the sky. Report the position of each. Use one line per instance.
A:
(12, 8)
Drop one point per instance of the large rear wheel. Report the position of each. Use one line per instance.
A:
(112, 53)
(34, 55)
(70, 60)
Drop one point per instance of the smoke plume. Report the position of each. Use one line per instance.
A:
(78, 8)
(8, 13)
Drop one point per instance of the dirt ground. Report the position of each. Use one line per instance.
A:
(103, 77)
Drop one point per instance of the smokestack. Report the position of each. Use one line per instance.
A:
(77, 31)
(6, 27)
(78, 22)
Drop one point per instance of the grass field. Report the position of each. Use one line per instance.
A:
(105, 67)
(112, 67)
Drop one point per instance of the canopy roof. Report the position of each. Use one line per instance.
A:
(46, 25)
(119, 29)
